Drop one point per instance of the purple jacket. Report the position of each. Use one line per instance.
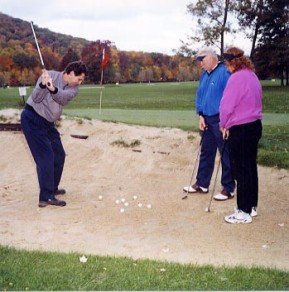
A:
(242, 99)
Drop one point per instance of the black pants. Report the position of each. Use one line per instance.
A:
(47, 150)
(243, 147)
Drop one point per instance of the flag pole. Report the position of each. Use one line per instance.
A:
(103, 65)
(100, 95)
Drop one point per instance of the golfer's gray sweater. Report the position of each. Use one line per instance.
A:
(47, 104)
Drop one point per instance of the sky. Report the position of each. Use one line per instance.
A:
(133, 25)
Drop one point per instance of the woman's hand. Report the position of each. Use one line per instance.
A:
(225, 133)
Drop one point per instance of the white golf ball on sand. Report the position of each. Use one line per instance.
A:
(100, 197)
(121, 210)
(149, 206)
(134, 197)
(117, 201)
(123, 200)
(126, 204)
(139, 204)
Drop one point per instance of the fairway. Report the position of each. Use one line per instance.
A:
(186, 120)
(170, 105)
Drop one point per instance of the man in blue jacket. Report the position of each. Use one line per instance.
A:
(209, 93)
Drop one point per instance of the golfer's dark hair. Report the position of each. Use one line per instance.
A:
(77, 67)
(240, 61)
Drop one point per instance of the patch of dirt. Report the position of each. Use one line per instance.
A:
(152, 173)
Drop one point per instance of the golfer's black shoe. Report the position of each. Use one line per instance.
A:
(60, 192)
(53, 202)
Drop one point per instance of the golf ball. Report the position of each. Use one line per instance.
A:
(149, 206)
(134, 197)
(100, 197)
(123, 200)
(117, 201)
(121, 210)
(139, 204)
(126, 204)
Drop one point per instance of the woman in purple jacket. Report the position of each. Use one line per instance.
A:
(240, 123)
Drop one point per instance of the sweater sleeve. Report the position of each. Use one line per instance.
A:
(229, 101)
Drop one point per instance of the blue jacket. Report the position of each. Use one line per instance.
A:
(210, 90)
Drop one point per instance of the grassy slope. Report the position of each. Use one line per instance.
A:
(26, 270)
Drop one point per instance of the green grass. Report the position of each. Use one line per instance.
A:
(172, 105)
(273, 147)
(35, 270)
(159, 96)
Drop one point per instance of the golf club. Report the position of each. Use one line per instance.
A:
(38, 49)
(208, 209)
(196, 162)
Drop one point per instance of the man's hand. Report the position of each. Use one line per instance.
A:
(47, 80)
(202, 123)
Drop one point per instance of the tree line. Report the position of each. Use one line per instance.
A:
(264, 22)
(20, 64)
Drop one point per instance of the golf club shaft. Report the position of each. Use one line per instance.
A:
(39, 52)
(217, 172)
(38, 49)
(196, 162)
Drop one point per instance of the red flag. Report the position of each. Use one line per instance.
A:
(104, 59)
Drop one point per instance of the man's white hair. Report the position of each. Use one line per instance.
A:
(207, 52)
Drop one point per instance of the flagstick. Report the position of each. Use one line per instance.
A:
(100, 96)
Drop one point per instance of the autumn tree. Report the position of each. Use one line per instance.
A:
(22, 61)
(70, 56)
(91, 55)
(212, 22)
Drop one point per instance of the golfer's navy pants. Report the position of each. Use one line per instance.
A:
(243, 147)
(45, 145)
(213, 140)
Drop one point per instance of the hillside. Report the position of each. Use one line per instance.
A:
(14, 30)
(20, 64)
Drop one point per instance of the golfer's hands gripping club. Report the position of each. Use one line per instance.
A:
(46, 80)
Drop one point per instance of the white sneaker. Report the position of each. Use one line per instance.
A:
(238, 217)
(254, 212)
(195, 189)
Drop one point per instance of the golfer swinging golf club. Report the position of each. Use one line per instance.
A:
(209, 93)
(44, 106)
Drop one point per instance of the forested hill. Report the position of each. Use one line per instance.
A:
(20, 62)
(15, 30)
